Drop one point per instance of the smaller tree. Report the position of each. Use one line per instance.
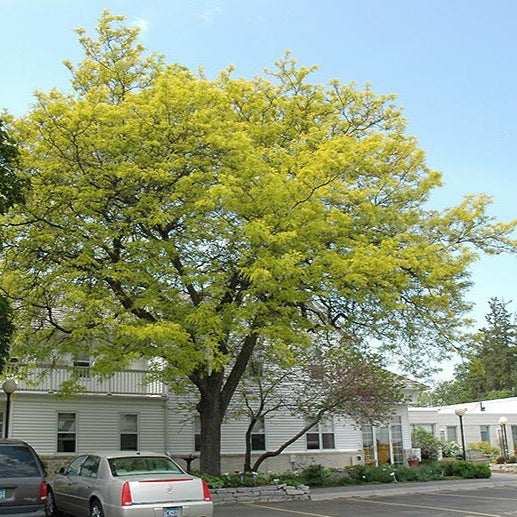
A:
(343, 382)
(428, 444)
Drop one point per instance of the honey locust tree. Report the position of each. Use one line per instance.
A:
(181, 219)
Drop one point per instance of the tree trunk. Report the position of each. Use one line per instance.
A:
(247, 452)
(211, 417)
(216, 392)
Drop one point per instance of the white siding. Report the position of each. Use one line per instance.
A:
(34, 419)
(348, 434)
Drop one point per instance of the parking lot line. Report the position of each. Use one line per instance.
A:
(297, 512)
(475, 496)
(455, 510)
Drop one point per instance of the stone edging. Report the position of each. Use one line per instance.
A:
(504, 467)
(264, 494)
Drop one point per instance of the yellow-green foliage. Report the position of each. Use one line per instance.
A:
(175, 216)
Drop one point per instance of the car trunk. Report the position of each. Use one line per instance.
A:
(20, 480)
(165, 488)
(18, 495)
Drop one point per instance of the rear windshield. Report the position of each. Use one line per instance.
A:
(135, 465)
(17, 462)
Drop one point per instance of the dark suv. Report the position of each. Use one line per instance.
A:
(23, 489)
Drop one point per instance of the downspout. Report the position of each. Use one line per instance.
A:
(166, 441)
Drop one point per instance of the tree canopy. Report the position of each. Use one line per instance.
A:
(186, 219)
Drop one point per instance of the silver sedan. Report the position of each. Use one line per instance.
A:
(127, 484)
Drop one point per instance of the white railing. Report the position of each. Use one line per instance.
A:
(125, 382)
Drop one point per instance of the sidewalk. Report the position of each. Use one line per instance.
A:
(389, 489)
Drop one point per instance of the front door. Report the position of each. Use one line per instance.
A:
(382, 436)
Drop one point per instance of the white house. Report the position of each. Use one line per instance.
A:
(481, 422)
(126, 412)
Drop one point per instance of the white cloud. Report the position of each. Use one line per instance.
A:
(142, 24)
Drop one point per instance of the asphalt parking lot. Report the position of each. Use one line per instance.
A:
(483, 502)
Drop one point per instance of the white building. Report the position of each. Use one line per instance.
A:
(125, 412)
(481, 421)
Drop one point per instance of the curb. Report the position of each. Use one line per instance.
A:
(408, 489)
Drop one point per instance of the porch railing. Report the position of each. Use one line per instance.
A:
(124, 382)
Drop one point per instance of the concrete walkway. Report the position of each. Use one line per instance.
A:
(389, 489)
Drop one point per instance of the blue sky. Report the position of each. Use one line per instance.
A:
(451, 64)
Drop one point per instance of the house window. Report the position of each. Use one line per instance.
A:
(197, 433)
(66, 432)
(258, 436)
(82, 363)
(426, 427)
(397, 443)
(321, 435)
(452, 433)
(368, 445)
(484, 431)
(128, 432)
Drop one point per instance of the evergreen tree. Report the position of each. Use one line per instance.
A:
(490, 368)
(11, 192)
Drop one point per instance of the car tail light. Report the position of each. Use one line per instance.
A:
(42, 491)
(126, 495)
(206, 491)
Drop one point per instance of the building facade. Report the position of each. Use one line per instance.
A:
(491, 421)
(126, 412)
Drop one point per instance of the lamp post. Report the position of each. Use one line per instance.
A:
(9, 386)
(504, 438)
(460, 411)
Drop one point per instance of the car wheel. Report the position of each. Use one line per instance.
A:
(96, 509)
(50, 505)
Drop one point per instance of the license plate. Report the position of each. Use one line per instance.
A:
(2, 493)
(172, 512)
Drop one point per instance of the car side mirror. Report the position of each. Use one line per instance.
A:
(62, 470)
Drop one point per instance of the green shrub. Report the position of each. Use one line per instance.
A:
(465, 469)
(380, 474)
(356, 472)
(347, 480)
(482, 471)
(212, 481)
(317, 475)
(314, 475)
(429, 445)
(485, 448)
(430, 472)
(404, 473)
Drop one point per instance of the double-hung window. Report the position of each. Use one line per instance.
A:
(197, 433)
(258, 436)
(452, 433)
(66, 432)
(321, 435)
(484, 431)
(128, 432)
(82, 363)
